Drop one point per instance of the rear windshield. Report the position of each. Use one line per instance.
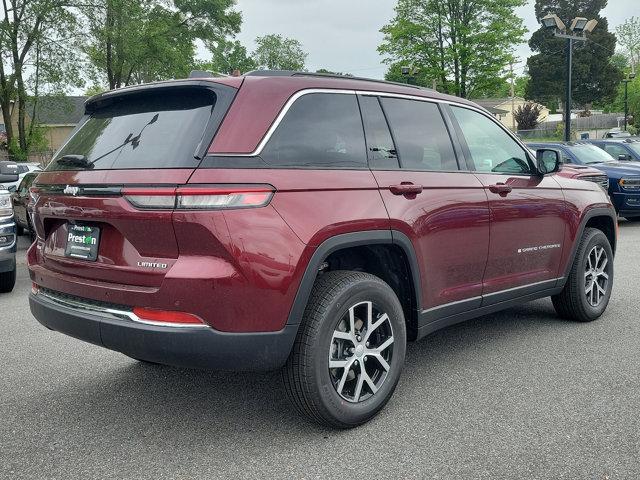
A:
(148, 130)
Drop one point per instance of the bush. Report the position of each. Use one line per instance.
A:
(527, 116)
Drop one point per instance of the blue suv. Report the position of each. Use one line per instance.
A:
(624, 177)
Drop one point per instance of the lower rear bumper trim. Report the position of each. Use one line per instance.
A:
(182, 347)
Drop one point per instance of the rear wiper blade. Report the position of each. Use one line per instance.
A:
(75, 161)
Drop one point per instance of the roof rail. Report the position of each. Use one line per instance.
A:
(205, 74)
(292, 73)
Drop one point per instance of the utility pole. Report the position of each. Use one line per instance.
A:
(626, 81)
(513, 97)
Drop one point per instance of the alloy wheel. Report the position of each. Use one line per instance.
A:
(361, 352)
(596, 276)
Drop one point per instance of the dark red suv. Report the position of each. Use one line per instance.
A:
(305, 222)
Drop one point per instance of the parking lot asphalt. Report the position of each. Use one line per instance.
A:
(519, 394)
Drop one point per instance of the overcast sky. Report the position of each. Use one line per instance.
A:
(343, 35)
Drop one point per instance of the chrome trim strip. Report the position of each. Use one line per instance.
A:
(493, 294)
(301, 93)
(109, 312)
(451, 304)
(281, 115)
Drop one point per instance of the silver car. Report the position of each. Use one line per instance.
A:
(8, 238)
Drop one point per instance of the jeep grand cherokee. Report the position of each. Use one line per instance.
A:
(308, 223)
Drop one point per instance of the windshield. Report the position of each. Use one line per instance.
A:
(148, 130)
(589, 154)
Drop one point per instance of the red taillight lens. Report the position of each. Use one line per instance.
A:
(200, 197)
(168, 317)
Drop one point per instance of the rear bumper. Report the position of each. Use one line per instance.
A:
(181, 347)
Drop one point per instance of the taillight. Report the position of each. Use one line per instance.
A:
(168, 317)
(34, 194)
(200, 197)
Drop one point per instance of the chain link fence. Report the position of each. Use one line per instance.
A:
(594, 126)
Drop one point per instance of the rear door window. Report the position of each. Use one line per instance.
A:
(382, 150)
(320, 130)
(145, 130)
(421, 135)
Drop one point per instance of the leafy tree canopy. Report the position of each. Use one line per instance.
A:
(629, 38)
(464, 46)
(275, 52)
(227, 57)
(37, 53)
(135, 41)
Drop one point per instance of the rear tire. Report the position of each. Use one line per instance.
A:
(7, 281)
(588, 289)
(349, 351)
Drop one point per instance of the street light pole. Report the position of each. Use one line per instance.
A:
(577, 30)
(567, 98)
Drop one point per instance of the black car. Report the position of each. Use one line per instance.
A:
(20, 200)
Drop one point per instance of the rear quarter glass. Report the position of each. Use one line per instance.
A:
(142, 130)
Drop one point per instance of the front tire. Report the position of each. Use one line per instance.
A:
(588, 289)
(349, 351)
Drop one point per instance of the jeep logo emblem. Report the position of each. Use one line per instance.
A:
(71, 190)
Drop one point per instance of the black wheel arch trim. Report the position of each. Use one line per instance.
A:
(348, 240)
(590, 214)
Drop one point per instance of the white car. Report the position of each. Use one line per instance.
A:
(23, 169)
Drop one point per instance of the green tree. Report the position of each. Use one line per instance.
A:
(228, 56)
(464, 45)
(135, 41)
(620, 60)
(416, 75)
(38, 50)
(595, 77)
(275, 52)
(629, 38)
(504, 89)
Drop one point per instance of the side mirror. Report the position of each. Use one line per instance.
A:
(12, 188)
(623, 157)
(548, 161)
